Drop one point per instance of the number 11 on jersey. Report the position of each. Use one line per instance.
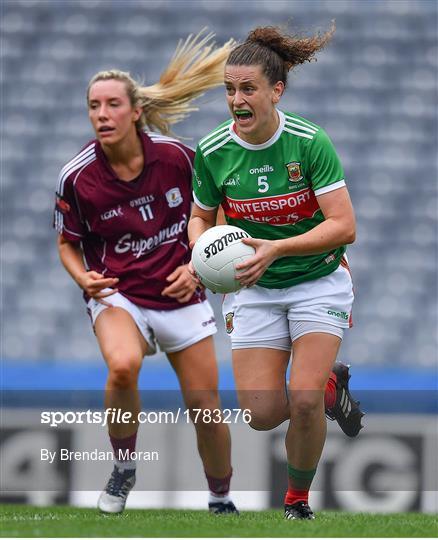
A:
(146, 212)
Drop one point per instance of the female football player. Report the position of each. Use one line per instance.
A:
(278, 177)
(123, 205)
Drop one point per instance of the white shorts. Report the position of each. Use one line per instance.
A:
(173, 330)
(273, 318)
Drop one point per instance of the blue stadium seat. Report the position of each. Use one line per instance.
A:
(373, 90)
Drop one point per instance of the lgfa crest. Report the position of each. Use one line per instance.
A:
(174, 197)
(294, 171)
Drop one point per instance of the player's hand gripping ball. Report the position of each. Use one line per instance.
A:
(215, 255)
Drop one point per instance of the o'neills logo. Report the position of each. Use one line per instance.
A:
(264, 169)
(285, 209)
(339, 314)
(221, 243)
(141, 246)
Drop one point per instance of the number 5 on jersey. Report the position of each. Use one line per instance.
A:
(262, 182)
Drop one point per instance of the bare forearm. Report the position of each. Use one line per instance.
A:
(91, 282)
(196, 227)
(328, 235)
(200, 221)
(72, 259)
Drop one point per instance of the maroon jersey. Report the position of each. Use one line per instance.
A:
(136, 231)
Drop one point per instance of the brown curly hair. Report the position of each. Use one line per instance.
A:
(277, 52)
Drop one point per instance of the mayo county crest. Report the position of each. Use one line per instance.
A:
(229, 322)
(294, 171)
(174, 197)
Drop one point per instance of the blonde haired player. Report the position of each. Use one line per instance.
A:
(123, 205)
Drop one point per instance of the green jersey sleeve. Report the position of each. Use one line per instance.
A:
(325, 165)
(206, 193)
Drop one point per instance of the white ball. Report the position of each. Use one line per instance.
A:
(216, 254)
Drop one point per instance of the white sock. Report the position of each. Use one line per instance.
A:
(215, 498)
(125, 465)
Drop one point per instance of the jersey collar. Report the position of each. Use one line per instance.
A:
(149, 153)
(264, 145)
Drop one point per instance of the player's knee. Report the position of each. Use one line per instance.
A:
(123, 373)
(265, 410)
(260, 424)
(202, 400)
(264, 420)
(305, 404)
(122, 377)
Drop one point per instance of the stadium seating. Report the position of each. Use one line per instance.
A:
(373, 90)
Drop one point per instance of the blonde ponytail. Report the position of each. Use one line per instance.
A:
(196, 66)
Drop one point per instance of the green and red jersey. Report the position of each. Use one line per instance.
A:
(270, 189)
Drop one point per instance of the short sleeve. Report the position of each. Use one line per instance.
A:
(205, 192)
(185, 157)
(326, 172)
(67, 218)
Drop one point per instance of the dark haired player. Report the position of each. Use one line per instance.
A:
(278, 177)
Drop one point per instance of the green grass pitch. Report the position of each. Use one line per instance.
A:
(27, 521)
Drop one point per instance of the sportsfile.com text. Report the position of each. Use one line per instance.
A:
(117, 416)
